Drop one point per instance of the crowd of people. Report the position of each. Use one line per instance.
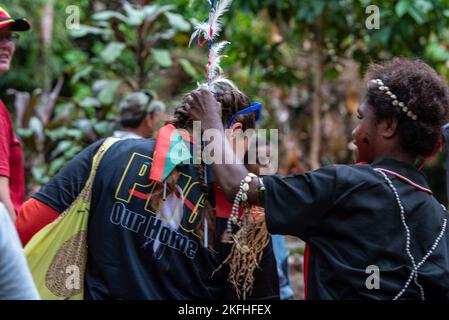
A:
(125, 219)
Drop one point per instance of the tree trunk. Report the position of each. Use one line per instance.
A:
(317, 70)
(46, 24)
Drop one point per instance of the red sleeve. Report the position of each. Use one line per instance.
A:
(5, 144)
(32, 217)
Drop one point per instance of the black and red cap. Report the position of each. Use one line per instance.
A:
(14, 24)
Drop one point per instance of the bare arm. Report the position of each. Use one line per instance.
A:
(5, 197)
(202, 106)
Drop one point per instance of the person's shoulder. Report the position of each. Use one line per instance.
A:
(358, 172)
(126, 147)
(125, 144)
(137, 145)
(356, 167)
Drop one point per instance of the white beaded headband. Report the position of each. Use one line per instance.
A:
(393, 97)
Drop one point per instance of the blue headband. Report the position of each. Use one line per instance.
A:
(253, 106)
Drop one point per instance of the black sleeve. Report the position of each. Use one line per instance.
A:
(296, 204)
(63, 188)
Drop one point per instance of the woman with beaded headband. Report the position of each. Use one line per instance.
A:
(373, 230)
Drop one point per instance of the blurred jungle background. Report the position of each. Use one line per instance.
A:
(303, 59)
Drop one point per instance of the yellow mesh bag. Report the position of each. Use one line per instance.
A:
(57, 253)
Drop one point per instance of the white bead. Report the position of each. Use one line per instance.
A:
(245, 249)
(248, 179)
(415, 117)
(410, 114)
(395, 102)
(393, 96)
(401, 104)
(245, 187)
(244, 197)
(389, 93)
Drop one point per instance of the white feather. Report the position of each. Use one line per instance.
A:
(214, 68)
(202, 85)
(217, 48)
(201, 29)
(215, 19)
(215, 58)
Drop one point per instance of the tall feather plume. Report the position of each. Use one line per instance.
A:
(215, 58)
(208, 31)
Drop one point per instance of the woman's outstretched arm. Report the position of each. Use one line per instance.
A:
(295, 204)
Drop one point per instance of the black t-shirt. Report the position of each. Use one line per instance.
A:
(137, 253)
(350, 219)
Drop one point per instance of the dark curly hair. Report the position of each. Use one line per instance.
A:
(422, 90)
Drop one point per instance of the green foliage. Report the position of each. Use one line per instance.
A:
(113, 52)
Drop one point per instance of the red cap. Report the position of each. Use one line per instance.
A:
(15, 24)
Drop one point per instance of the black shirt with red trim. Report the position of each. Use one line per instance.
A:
(356, 240)
(135, 252)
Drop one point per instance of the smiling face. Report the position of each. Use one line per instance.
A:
(7, 48)
(365, 135)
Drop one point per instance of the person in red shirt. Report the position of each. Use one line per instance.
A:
(12, 182)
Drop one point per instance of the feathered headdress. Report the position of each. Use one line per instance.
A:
(252, 238)
(208, 32)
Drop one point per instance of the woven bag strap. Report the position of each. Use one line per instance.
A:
(86, 192)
